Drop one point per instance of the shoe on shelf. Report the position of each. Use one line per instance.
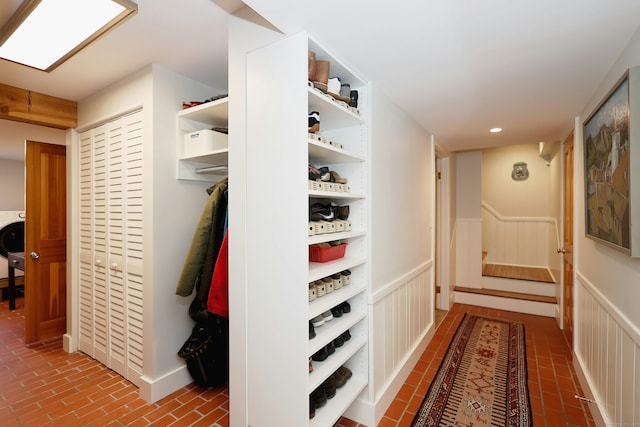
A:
(312, 291)
(320, 288)
(320, 212)
(310, 366)
(346, 335)
(329, 386)
(345, 372)
(336, 311)
(346, 277)
(327, 316)
(353, 99)
(317, 321)
(330, 348)
(312, 331)
(345, 307)
(314, 122)
(312, 66)
(339, 341)
(320, 355)
(312, 407)
(335, 177)
(322, 75)
(339, 379)
(318, 397)
(345, 92)
(342, 212)
(314, 172)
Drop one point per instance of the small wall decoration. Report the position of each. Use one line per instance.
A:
(520, 171)
(609, 159)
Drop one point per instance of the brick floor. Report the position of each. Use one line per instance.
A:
(42, 385)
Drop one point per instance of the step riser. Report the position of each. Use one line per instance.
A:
(520, 286)
(509, 304)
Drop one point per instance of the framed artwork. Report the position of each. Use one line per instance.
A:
(608, 145)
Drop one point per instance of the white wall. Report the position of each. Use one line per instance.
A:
(519, 222)
(469, 182)
(12, 145)
(402, 185)
(529, 198)
(608, 291)
(171, 212)
(12, 179)
(468, 238)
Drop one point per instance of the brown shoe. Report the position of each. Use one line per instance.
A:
(312, 66)
(322, 75)
(345, 372)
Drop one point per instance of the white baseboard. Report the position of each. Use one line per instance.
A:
(152, 390)
(594, 407)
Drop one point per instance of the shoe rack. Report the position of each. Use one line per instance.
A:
(209, 165)
(276, 150)
(342, 147)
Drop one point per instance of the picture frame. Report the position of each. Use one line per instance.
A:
(610, 163)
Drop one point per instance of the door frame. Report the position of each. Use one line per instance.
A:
(441, 255)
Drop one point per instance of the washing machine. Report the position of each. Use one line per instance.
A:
(11, 238)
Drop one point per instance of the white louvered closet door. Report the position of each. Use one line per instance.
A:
(111, 244)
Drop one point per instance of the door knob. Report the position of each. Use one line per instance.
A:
(562, 251)
(34, 255)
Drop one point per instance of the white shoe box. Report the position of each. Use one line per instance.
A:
(203, 142)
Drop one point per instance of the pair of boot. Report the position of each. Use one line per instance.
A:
(319, 71)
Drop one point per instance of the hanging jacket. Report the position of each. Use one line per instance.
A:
(218, 301)
(204, 244)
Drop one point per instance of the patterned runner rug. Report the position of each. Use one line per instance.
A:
(482, 380)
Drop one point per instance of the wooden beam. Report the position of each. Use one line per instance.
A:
(36, 108)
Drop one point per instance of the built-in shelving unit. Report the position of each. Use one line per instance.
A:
(276, 148)
(342, 146)
(207, 166)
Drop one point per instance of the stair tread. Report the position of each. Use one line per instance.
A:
(534, 274)
(506, 294)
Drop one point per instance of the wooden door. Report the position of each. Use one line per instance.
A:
(45, 242)
(567, 249)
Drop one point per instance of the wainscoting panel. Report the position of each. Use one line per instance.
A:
(468, 252)
(521, 241)
(402, 315)
(607, 348)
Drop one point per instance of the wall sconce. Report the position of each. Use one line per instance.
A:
(43, 34)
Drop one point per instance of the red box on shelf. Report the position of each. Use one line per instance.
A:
(331, 253)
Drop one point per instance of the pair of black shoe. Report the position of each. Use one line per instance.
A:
(326, 351)
(320, 212)
(341, 309)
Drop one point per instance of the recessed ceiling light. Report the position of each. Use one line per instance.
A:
(44, 33)
(495, 130)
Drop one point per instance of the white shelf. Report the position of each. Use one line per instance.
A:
(326, 302)
(215, 113)
(322, 370)
(334, 195)
(326, 416)
(318, 270)
(331, 111)
(330, 330)
(200, 168)
(328, 237)
(319, 152)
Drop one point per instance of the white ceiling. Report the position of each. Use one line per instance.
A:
(458, 67)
